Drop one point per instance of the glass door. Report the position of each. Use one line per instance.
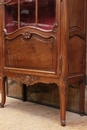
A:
(11, 15)
(38, 13)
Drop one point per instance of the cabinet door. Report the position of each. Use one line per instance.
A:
(32, 40)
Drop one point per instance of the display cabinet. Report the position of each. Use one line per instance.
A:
(43, 41)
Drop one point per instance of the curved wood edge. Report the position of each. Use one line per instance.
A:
(31, 29)
(63, 122)
(1, 105)
(3, 93)
(76, 31)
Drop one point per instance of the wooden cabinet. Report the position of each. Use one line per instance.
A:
(43, 41)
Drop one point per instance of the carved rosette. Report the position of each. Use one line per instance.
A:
(26, 36)
(27, 79)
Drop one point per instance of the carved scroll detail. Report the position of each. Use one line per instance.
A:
(27, 79)
(55, 27)
(26, 35)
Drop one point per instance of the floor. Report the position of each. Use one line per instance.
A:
(18, 115)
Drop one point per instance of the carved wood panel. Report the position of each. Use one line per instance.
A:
(76, 53)
(31, 51)
(76, 13)
(76, 49)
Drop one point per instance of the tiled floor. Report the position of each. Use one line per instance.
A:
(18, 115)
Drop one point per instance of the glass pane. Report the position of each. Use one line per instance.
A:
(46, 14)
(27, 13)
(11, 16)
(9, 1)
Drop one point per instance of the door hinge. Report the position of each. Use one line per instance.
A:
(60, 64)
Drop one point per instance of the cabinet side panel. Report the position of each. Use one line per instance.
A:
(76, 50)
(76, 54)
(76, 13)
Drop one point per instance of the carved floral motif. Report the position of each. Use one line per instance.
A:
(64, 90)
(26, 36)
(27, 79)
(64, 87)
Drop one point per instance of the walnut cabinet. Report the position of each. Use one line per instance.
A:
(44, 41)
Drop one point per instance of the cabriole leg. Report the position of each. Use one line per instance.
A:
(82, 97)
(63, 99)
(3, 94)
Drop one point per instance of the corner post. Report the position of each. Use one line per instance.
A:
(63, 88)
(2, 78)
